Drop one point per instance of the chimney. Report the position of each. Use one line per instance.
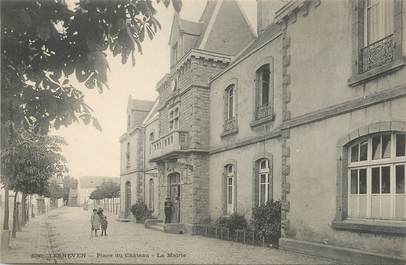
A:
(266, 13)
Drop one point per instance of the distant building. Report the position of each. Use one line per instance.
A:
(87, 184)
(138, 176)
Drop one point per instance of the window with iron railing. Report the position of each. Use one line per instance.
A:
(230, 102)
(263, 93)
(376, 38)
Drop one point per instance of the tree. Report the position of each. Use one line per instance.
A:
(45, 42)
(68, 183)
(53, 191)
(31, 159)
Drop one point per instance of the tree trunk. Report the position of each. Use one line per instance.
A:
(14, 231)
(6, 209)
(24, 209)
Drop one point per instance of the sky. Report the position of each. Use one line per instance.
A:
(93, 153)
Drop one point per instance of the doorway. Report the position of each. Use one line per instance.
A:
(127, 204)
(174, 195)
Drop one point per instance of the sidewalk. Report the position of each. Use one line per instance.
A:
(64, 235)
(32, 241)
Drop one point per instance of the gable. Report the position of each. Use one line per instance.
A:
(228, 30)
(175, 31)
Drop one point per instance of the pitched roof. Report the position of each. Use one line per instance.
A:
(152, 113)
(268, 34)
(141, 105)
(190, 27)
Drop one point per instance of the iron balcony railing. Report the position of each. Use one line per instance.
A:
(230, 125)
(377, 53)
(263, 111)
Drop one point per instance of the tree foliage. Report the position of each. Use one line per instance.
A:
(266, 220)
(68, 183)
(45, 42)
(53, 190)
(106, 190)
(31, 160)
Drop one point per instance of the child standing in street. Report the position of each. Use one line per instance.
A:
(103, 222)
(94, 223)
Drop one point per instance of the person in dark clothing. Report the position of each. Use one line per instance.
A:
(103, 222)
(168, 210)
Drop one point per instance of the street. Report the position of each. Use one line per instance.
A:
(63, 236)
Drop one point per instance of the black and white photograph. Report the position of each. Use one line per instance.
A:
(203, 132)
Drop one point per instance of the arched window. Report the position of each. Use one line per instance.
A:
(127, 154)
(151, 139)
(263, 92)
(230, 103)
(376, 177)
(263, 81)
(151, 195)
(264, 182)
(229, 192)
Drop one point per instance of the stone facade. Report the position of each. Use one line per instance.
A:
(133, 161)
(300, 102)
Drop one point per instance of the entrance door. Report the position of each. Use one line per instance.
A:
(174, 194)
(127, 204)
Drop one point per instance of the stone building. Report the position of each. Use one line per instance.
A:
(135, 170)
(309, 109)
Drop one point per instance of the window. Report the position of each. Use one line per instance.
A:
(230, 113)
(376, 172)
(229, 189)
(128, 121)
(127, 154)
(151, 139)
(376, 38)
(378, 20)
(263, 93)
(174, 119)
(230, 99)
(263, 182)
(151, 195)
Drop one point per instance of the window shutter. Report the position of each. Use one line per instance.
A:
(270, 166)
(257, 84)
(225, 103)
(255, 184)
(224, 188)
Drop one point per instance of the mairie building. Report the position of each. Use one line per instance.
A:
(308, 108)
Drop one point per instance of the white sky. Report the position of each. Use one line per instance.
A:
(94, 153)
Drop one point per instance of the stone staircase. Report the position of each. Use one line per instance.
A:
(158, 225)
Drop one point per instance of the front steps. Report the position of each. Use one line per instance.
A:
(172, 228)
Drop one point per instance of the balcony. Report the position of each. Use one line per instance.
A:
(262, 114)
(377, 54)
(230, 127)
(172, 142)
